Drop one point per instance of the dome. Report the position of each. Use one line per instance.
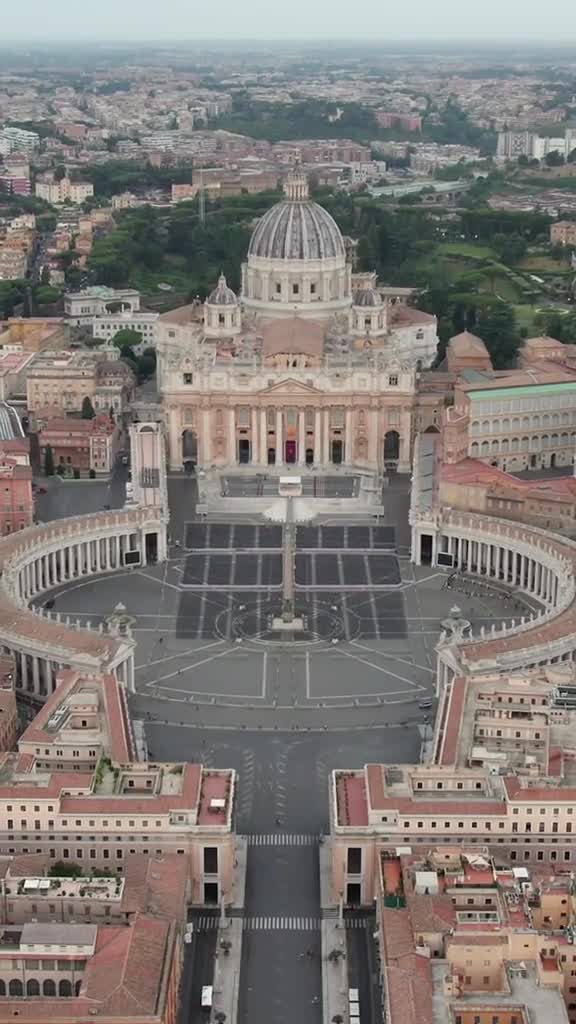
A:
(297, 228)
(222, 294)
(367, 297)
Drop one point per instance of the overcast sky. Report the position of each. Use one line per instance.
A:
(35, 20)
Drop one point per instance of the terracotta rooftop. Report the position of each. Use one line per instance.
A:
(156, 886)
(400, 315)
(352, 808)
(292, 335)
(467, 344)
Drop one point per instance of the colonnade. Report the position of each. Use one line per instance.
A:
(521, 557)
(47, 569)
(490, 558)
(42, 557)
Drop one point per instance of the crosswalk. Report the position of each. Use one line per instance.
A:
(277, 923)
(282, 839)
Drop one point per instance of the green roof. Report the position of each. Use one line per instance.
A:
(527, 389)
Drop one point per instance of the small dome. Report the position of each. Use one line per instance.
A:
(222, 294)
(367, 297)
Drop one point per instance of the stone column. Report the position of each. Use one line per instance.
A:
(263, 436)
(373, 440)
(206, 439)
(232, 457)
(254, 446)
(35, 675)
(301, 437)
(23, 671)
(326, 436)
(317, 436)
(279, 438)
(506, 563)
(348, 446)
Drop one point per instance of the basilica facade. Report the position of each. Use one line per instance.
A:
(309, 366)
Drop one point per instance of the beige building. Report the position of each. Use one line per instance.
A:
(312, 366)
(58, 382)
(76, 792)
(563, 232)
(64, 191)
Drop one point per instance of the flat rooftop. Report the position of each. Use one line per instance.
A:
(521, 993)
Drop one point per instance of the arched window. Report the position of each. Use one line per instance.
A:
(514, 444)
(485, 448)
(505, 446)
(32, 987)
(15, 987)
(474, 449)
(495, 446)
(2, 987)
(64, 987)
(49, 987)
(475, 426)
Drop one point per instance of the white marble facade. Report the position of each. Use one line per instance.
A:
(310, 366)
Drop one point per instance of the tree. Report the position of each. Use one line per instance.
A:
(63, 869)
(126, 339)
(59, 172)
(88, 412)
(498, 330)
(554, 158)
(48, 461)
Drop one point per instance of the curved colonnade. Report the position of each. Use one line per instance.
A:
(40, 558)
(524, 558)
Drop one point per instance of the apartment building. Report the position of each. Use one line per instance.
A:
(78, 947)
(57, 382)
(8, 719)
(563, 232)
(464, 940)
(74, 792)
(515, 420)
(63, 191)
(80, 445)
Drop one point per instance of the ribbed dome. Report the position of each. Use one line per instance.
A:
(367, 297)
(297, 228)
(222, 294)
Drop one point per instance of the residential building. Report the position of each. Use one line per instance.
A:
(84, 798)
(19, 140)
(405, 122)
(63, 191)
(106, 327)
(80, 445)
(563, 232)
(82, 307)
(58, 382)
(23, 335)
(519, 419)
(8, 719)
(17, 504)
(13, 366)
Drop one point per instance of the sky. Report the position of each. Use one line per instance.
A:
(150, 20)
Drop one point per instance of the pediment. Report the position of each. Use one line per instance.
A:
(289, 386)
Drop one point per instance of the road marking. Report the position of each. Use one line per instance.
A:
(181, 654)
(161, 582)
(384, 671)
(392, 657)
(272, 924)
(308, 675)
(282, 839)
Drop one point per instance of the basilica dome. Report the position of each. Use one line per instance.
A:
(296, 262)
(297, 228)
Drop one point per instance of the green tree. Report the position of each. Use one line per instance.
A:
(48, 461)
(554, 158)
(498, 329)
(46, 295)
(88, 412)
(65, 869)
(125, 339)
(59, 172)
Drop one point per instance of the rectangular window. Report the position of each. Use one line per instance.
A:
(393, 380)
(187, 378)
(210, 860)
(354, 860)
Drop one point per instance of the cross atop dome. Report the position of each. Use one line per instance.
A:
(296, 186)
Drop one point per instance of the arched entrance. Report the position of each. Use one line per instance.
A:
(431, 430)
(337, 452)
(189, 450)
(391, 446)
(309, 456)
